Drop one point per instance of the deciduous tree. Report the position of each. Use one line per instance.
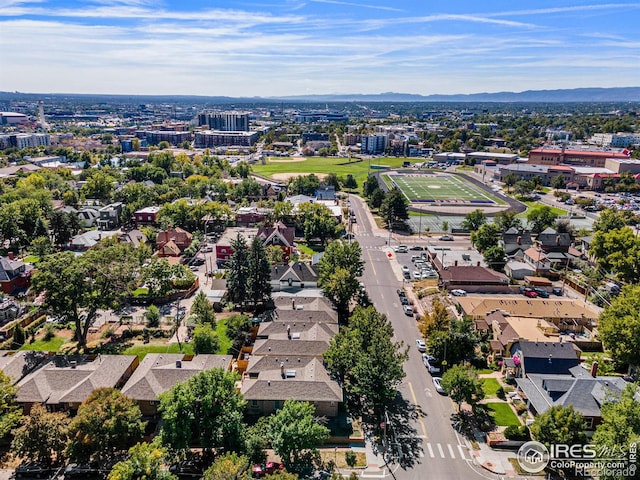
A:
(339, 269)
(463, 385)
(394, 207)
(202, 309)
(619, 326)
(107, 424)
(541, 217)
(559, 425)
(487, 236)
(295, 434)
(145, 462)
(41, 436)
(205, 410)
(230, 466)
(474, 220)
(205, 339)
(99, 279)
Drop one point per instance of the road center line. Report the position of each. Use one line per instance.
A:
(415, 402)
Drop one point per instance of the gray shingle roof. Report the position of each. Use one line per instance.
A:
(285, 348)
(158, 372)
(59, 381)
(18, 364)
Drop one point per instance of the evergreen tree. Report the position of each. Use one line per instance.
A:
(394, 207)
(238, 267)
(259, 273)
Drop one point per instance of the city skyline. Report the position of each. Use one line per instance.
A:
(302, 47)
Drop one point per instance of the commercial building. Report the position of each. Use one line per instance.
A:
(12, 118)
(586, 158)
(25, 140)
(215, 138)
(154, 137)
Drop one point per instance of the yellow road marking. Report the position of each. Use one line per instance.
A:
(415, 401)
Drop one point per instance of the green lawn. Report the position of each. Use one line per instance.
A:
(502, 414)
(31, 259)
(140, 291)
(440, 188)
(340, 166)
(490, 387)
(52, 345)
(534, 203)
(142, 350)
(225, 342)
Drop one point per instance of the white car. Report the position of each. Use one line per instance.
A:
(429, 363)
(405, 269)
(417, 275)
(438, 385)
(458, 292)
(401, 249)
(408, 309)
(420, 345)
(429, 274)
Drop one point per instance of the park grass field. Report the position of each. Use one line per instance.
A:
(440, 189)
(325, 165)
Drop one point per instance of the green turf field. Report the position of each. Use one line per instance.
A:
(340, 166)
(441, 188)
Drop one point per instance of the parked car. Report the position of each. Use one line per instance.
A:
(401, 292)
(530, 294)
(458, 292)
(401, 249)
(32, 470)
(437, 383)
(417, 275)
(556, 291)
(541, 292)
(404, 301)
(405, 269)
(429, 362)
(446, 238)
(269, 468)
(83, 472)
(420, 345)
(429, 274)
(417, 247)
(408, 309)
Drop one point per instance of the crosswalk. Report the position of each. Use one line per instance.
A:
(448, 451)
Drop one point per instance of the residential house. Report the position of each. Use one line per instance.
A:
(286, 362)
(469, 277)
(63, 382)
(89, 239)
(88, 216)
(146, 216)
(134, 237)
(158, 372)
(515, 242)
(580, 389)
(279, 235)
(545, 357)
(567, 314)
(17, 364)
(15, 275)
(110, 216)
(556, 246)
(250, 216)
(538, 260)
(223, 245)
(295, 276)
(519, 270)
(181, 238)
(8, 310)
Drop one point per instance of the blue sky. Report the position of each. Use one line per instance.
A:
(294, 47)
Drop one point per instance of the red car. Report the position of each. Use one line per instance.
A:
(266, 469)
(530, 294)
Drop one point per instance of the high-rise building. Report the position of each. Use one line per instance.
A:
(225, 121)
(373, 144)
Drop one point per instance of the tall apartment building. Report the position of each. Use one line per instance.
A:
(225, 121)
(212, 138)
(24, 140)
(174, 138)
(373, 144)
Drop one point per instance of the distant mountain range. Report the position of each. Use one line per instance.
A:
(577, 95)
(619, 94)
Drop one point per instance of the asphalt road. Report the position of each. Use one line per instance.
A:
(420, 431)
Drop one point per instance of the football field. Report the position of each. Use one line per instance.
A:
(441, 188)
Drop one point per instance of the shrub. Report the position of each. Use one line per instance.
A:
(518, 433)
(49, 331)
(350, 458)
(500, 393)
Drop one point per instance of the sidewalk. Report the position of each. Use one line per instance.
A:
(495, 461)
(376, 465)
